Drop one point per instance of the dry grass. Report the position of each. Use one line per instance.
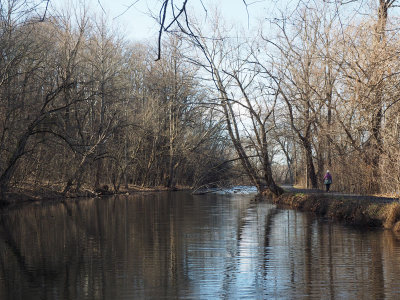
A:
(391, 215)
(360, 212)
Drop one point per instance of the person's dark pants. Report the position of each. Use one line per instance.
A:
(327, 187)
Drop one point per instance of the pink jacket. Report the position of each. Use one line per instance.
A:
(328, 177)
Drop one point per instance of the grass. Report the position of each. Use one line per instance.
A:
(360, 212)
(392, 216)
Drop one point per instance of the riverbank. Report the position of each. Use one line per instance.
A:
(36, 193)
(365, 211)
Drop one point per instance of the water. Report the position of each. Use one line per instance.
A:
(179, 246)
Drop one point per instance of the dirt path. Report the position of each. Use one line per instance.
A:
(291, 189)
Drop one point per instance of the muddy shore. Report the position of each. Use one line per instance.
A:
(29, 194)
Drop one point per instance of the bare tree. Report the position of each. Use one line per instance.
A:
(172, 15)
(35, 62)
(235, 78)
(299, 81)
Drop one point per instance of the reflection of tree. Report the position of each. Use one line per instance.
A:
(377, 278)
(28, 243)
(319, 258)
(330, 251)
(159, 246)
(309, 263)
(246, 235)
(8, 239)
(267, 236)
(46, 247)
(231, 263)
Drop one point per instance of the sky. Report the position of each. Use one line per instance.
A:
(133, 17)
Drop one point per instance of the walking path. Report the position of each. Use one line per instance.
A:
(291, 189)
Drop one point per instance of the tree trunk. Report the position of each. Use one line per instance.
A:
(250, 171)
(75, 177)
(377, 116)
(271, 185)
(310, 164)
(268, 176)
(12, 164)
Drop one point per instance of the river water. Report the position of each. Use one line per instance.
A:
(180, 246)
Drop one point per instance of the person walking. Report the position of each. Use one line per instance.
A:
(327, 180)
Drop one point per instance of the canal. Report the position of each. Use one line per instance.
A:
(183, 246)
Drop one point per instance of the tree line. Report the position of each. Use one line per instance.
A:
(318, 83)
(338, 75)
(316, 87)
(80, 107)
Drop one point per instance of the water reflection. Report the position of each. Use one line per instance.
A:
(175, 245)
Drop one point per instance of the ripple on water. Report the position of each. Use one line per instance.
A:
(180, 246)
